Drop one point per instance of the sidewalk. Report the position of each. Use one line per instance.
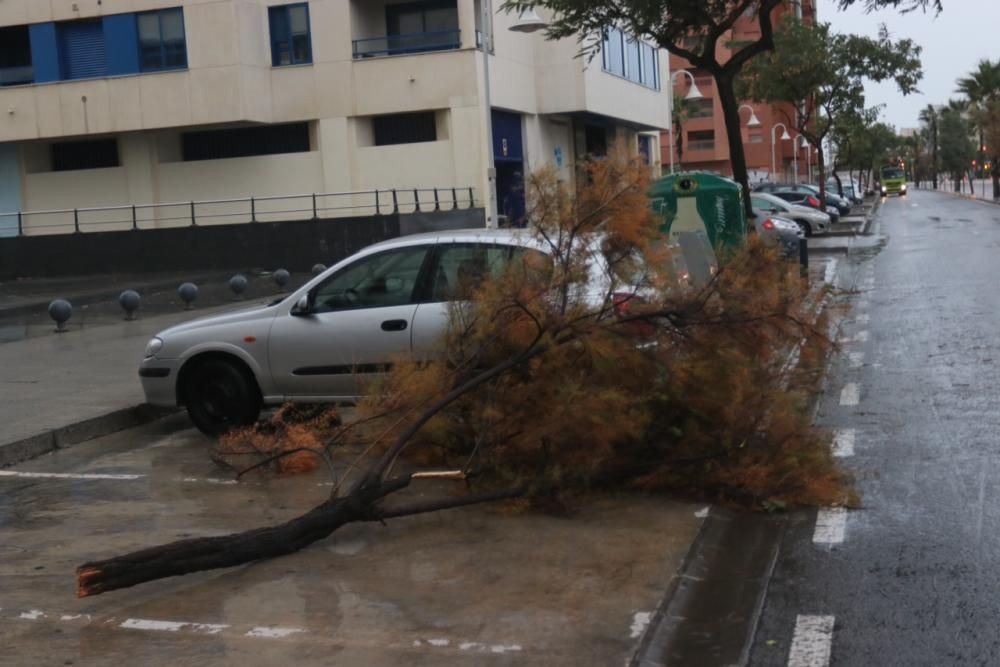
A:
(979, 189)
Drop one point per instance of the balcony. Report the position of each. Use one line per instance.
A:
(395, 45)
(15, 76)
(382, 28)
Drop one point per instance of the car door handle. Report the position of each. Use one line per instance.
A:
(394, 325)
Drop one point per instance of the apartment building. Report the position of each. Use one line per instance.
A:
(136, 102)
(703, 142)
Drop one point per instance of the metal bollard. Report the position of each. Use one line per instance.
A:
(238, 284)
(129, 300)
(188, 292)
(281, 277)
(60, 311)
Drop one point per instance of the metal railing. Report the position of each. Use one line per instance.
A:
(313, 206)
(419, 42)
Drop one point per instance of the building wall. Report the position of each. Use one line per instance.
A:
(229, 81)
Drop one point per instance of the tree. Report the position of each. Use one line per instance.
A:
(828, 71)
(929, 118)
(957, 148)
(849, 134)
(587, 363)
(903, 5)
(691, 30)
(982, 88)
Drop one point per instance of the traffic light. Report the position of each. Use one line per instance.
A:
(973, 163)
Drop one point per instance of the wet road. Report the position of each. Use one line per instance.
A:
(913, 577)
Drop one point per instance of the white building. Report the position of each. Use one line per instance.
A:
(136, 102)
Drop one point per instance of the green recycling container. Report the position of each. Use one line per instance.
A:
(702, 203)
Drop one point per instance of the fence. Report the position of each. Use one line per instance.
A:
(279, 208)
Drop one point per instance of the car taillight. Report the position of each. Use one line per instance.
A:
(813, 202)
(622, 302)
(768, 224)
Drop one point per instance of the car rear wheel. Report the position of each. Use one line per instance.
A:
(221, 396)
(805, 226)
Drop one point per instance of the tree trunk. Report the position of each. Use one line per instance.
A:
(821, 168)
(840, 184)
(730, 112)
(995, 176)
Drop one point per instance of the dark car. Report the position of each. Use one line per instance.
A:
(832, 198)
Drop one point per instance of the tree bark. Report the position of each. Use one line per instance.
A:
(731, 114)
(821, 167)
(995, 176)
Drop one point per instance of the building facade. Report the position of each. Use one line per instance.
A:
(703, 143)
(153, 103)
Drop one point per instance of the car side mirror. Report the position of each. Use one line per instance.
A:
(302, 307)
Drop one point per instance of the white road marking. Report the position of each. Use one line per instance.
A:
(438, 642)
(861, 337)
(702, 513)
(811, 642)
(32, 615)
(273, 632)
(862, 318)
(856, 359)
(502, 648)
(639, 623)
(64, 475)
(850, 395)
(843, 442)
(150, 624)
(831, 271)
(830, 526)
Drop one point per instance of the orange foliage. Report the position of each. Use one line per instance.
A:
(292, 437)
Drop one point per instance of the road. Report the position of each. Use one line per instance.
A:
(910, 578)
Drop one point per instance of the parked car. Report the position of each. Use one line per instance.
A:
(782, 231)
(327, 339)
(808, 219)
(808, 200)
(832, 198)
(851, 192)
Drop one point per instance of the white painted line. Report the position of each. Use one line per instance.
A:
(811, 642)
(273, 633)
(32, 615)
(830, 526)
(639, 623)
(149, 624)
(830, 275)
(62, 475)
(850, 395)
(702, 513)
(439, 642)
(856, 359)
(861, 337)
(843, 442)
(863, 318)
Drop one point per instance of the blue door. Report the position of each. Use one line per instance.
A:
(508, 153)
(82, 50)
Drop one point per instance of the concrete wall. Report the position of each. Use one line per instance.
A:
(10, 189)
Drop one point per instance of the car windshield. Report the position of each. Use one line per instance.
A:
(892, 173)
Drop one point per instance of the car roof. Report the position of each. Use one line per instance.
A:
(474, 235)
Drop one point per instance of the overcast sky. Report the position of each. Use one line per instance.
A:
(953, 42)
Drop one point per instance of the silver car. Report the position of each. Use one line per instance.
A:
(326, 340)
(811, 221)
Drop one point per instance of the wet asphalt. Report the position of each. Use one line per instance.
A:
(916, 579)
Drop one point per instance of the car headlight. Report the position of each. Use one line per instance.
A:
(903, 187)
(153, 346)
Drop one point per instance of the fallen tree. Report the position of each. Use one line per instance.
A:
(587, 364)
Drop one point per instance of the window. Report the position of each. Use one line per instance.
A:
(404, 128)
(756, 138)
(646, 148)
(460, 268)
(386, 279)
(291, 43)
(701, 140)
(245, 142)
(703, 108)
(422, 26)
(161, 40)
(82, 50)
(629, 58)
(15, 56)
(91, 154)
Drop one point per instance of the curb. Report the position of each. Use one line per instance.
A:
(73, 434)
(97, 296)
(962, 195)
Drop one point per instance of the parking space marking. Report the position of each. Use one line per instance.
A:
(812, 641)
(856, 359)
(862, 318)
(830, 274)
(831, 524)
(850, 395)
(843, 442)
(264, 632)
(101, 477)
(861, 337)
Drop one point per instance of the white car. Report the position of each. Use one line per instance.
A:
(327, 339)
(812, 221)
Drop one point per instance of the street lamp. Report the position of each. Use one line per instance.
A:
(693, 94)
(784, 137)
(527, 22)
(753, 121)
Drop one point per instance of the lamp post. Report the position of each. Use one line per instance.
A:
(752, 121)
(693, 94)
(784, 137)
(527, 22)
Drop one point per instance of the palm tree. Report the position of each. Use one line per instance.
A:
(982, 88)
(929, 117)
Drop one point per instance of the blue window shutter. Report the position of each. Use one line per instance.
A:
(44, 51)
(121, 43)
(83, 52)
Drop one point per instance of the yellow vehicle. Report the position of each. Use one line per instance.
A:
(892, 181)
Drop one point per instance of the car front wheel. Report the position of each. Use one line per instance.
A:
(221, 396)
(806, 228)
